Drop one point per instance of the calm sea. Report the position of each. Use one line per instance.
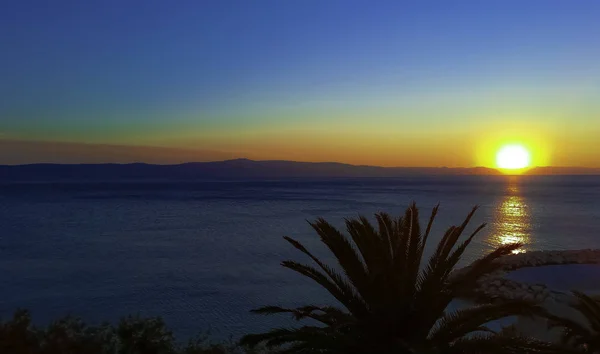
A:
(202, 254)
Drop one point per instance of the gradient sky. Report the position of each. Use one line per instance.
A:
(419, 83)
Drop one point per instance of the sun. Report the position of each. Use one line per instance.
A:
(513, 157)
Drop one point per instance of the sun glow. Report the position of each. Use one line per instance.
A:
(531, 144)
(513, 157)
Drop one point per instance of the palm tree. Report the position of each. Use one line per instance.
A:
(390, 303)
(583, 336)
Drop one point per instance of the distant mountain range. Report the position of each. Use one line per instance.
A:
(243, 169)
(16, 152)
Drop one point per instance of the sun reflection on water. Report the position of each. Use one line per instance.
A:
(513, 222)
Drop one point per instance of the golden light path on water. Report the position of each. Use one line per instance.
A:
(512, 220)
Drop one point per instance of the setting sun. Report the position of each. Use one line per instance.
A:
(513, 157)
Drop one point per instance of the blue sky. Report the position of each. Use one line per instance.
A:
(233, 74)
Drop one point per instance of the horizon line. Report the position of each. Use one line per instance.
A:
(293, 161)
(177, 155)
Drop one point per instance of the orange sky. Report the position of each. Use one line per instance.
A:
(455, 149)
(399, 84)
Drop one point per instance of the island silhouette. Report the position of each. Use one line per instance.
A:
(245, 169)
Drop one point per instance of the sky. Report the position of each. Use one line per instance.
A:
(392, 83)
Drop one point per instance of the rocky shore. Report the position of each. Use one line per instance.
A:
(497, 286)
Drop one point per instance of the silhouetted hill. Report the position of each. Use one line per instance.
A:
(239, 169)
(17, 152)
(230, 169)
(552, 170)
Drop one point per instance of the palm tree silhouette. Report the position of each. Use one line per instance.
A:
(583, 336)
(391, 303)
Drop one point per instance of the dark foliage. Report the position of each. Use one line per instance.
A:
(583, 336)
(392, 303)
(70, 335)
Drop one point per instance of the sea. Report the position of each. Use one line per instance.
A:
(203, 254)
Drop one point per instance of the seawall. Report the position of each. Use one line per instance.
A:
(497, 286)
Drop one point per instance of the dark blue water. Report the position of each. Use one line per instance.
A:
(563, 278)
(203, 254)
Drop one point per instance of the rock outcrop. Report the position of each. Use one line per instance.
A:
(497, 286)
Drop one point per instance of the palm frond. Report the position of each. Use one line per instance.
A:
(414, 251)
(330, 316)
(348, 258)
(453, 237)
(431, 278)
(400, 242)
(576, 333)
(589, 308)
(342, 291)
(434, 212)
(468, 277)
(572, 331)
(386, 231)
(462, 322)
(455, 256)
(432, 282)
(368, 242)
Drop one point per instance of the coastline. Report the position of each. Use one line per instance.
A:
(498, 286)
